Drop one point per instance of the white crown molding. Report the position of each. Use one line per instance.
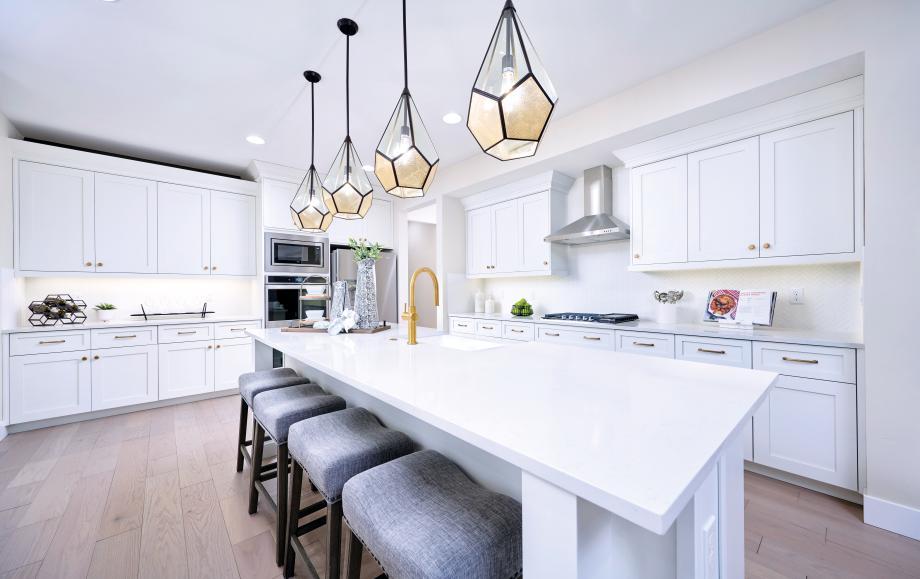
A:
(260, 170)
(846, 95)
(552, 181)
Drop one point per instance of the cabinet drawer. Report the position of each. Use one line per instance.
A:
(837, 364)
(577, 337)
(119, 337)
(489, 328)
(644, 343)
(517, 331)
(462, 326)
(185, 333)
(714, 351)
(47, 342)
(225, 330)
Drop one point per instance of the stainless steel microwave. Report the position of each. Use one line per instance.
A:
(297, 254)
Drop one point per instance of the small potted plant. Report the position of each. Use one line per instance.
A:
(105, 311)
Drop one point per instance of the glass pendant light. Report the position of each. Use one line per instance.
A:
(346, 190)
(405, 161)
(307, 209)
(513, 97)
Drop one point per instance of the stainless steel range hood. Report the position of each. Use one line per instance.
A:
(598, 225)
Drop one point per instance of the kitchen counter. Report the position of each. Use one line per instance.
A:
(129, 323)
(636, 436)
(702, 329)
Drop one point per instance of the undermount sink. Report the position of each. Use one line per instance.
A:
(458, 343)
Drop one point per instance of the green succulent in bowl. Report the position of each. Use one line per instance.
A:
(521, 308)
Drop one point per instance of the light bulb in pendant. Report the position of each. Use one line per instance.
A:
(405, 140)
(508, 76)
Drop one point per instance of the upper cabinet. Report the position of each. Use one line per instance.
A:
(505, 229)
(377, 226)
(70, 220)
(792, 195)
(276, 204)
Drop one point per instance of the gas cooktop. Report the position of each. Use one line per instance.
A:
(599, 318)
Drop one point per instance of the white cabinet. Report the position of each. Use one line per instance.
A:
(506, 237)
(124, 376)
(125, 224)
(479, 242)
(722, 202)
(808, 427)
(647, 344)
(659, 212)
(49, 385)
(55, 219)
(714, 351)
(535, 216)
(276, 204)
(232, 357)
(186, 368)
(233, 234)
(376, 227)
(575, 336)
(807, 196)
(462, 326)
(183, 229)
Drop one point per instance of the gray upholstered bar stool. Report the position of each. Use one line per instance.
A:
(274, 412)
(331, 449)
(254, 383)
(421, 517)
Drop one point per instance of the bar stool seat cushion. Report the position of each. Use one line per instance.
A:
(335, 447)
(422, 517)
(254, 383)
(276, 410)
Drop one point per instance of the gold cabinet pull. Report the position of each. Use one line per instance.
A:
(89, 264)
(96, 357)
(462, 325)
(187, 333)
(84, 358)
(98, 264)
(799, 360)
(708, 351)
(516, 331)
(752, 247)
(644, 344)
(127, 337)
(237, 329)
(595, 338)
(45, 342)
(553, 334)
(488, 327)
(766, 246)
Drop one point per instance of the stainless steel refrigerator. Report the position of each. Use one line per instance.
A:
(345, 268)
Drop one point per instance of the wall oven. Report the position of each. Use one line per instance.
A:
(289, 297)
(296, 254)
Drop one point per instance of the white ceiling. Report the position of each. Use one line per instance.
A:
(185, 81)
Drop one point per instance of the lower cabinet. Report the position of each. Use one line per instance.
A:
(808, 427)
(49, 385)
(232, 357)
(124, 376)
(186, 368)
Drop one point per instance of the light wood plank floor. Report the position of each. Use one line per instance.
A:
(155, 494)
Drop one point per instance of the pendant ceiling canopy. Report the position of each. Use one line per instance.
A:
(307, 209)
(513, 97)
(346, 190)
(405, 161)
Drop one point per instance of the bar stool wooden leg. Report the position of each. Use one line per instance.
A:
(255, 471)
(334, 539)
(293, 519)
(282, 502)
(244, 414)
(355, 550)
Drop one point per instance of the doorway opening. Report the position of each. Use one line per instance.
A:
(422, 252)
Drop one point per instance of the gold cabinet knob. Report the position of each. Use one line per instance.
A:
(752, 247)
(209, 347)
(84, 358)
(766, 246)
(636, 256)
(213, 267)
(96, 357)
(545, 263)
(217, 346)
(89, 264)
(205, 268)
(98, 264)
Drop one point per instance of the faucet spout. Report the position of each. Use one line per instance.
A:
(410, 314)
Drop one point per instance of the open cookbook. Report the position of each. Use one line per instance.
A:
(742, 307)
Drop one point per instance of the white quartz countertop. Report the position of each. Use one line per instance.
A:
(129, 323)
(709, 330)
(632, 434)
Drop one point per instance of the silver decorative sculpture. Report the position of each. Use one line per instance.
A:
(340, 299)
(366, 294)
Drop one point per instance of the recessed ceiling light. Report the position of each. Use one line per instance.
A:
(251, 139)
(110, 0)
(368, 167)
(451, 118)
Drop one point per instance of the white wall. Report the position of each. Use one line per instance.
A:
(423, 253)
(598, 281)
(224, 295)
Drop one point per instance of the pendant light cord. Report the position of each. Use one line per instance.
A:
(312, 125)
(347, 106)
(405, 50)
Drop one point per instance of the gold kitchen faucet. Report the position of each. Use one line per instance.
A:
(409, 312)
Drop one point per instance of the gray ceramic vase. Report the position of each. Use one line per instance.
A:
(366, 295)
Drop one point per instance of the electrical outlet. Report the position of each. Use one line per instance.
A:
(797, 295)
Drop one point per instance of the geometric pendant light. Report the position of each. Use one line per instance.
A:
(346, 190)
(307, 209)
(513, 97)
(405, 161)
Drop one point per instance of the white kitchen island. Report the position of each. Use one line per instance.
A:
(626, 466)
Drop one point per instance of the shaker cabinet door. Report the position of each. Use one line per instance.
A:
(124, 376)
(183, 229)
(126, 224)
(233, 234)
(535, 225)
(659, 212)
(55, 219)
(49, 385)
(232, 357)
(186, 368)
(479, 246)
(506, 238)
(378, 224)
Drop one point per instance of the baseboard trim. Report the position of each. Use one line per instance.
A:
(25, 426)
(894, 517)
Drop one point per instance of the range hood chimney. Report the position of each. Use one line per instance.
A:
(598, 225)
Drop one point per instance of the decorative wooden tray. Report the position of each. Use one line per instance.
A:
(311, 330)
